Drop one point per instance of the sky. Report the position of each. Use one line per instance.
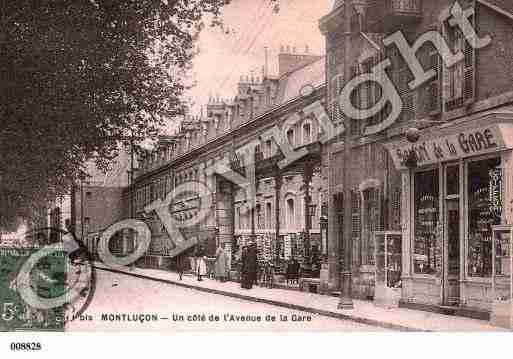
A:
(253, 25)
(223, 58)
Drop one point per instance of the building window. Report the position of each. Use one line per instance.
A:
(269, 148)
(89, 195)
(268, 215)
(238, 218)
(484, 210)
(290, 137)
(259, 216)
(459, 82)
(427, 256)
(307, 133)
(290, 213)
(87, 221)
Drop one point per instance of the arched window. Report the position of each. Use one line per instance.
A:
(269, 148)
(291, 215)
(238, 218)
(307, 133)
(290, 136)
(268, 215)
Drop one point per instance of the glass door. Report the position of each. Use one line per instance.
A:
(452, 236)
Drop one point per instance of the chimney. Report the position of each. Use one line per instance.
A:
(289, 62)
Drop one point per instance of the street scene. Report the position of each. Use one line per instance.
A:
(181, 309)
(263, 165)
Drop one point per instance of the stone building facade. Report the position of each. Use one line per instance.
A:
(287, 201)
(439, 196)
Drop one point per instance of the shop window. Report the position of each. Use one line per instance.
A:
(427, 258)
(484, 211)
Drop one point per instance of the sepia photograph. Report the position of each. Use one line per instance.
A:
(255, 166)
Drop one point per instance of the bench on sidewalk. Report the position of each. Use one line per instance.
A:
(311, 285)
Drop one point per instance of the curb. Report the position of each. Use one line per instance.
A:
(326, 313)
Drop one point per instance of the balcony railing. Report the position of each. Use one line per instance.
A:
(403, 7)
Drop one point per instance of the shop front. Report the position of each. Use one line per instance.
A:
(457, 185)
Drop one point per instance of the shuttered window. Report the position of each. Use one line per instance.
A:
(459, 80)
(469, 70)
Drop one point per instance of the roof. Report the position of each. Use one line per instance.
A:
(313, 74)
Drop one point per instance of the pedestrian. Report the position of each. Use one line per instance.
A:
(253, 263)
(293, 268)
(182, 264)
(201, 266)
(221, 263)
(245, 278)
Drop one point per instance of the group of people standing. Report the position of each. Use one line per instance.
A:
(198, 264)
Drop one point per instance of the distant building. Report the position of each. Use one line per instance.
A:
(288, 202)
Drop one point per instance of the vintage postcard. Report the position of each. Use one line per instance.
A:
(256, 165)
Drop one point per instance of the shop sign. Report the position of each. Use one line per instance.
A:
(462, 144)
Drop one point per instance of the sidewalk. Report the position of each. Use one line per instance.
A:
(364, 312)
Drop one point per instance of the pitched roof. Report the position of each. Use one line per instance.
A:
(291, 84)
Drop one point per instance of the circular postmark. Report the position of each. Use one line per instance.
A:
(56, 280)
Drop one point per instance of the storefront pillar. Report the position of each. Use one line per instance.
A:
(508, 187)
(334, 227)
(278, 180)
(406, 210)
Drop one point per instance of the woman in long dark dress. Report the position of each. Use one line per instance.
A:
(246, 281)
(253, 263)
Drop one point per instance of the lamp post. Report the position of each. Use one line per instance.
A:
(346, 280)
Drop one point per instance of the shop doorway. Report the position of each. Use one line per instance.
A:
(452, 246)
(452, 236)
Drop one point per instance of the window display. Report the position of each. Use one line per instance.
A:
(484, 211)
(427, 242)
(502, 280)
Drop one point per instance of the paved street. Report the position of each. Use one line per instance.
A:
(119, 297)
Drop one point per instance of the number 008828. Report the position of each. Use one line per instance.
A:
(25, 346)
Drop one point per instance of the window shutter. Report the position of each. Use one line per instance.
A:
(408, 112)
(355, 98)
(378, 90)
(446, 72)
(335, 110)
(433, 96)
(469, 70)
